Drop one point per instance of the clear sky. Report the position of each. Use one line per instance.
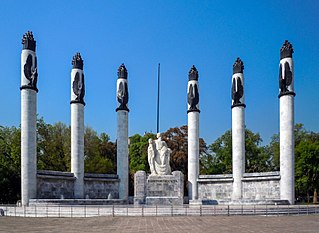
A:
(178, 34)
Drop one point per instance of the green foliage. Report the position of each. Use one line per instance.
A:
(9, 164)
(306, 161)
(138, 156)
(99, 153)
(218, 160)
(53, 153)
(138, 152)
(219, 157)
(53, 146)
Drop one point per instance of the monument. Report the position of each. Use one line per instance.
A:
(122, 131)
(238, 128)
(193, 133)
(77, 125)
(161, 187)
(287, 123)
(159, 157)
(29, 90)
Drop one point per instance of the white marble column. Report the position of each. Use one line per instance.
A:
(238, 128)
(287, 140)
(122, 132)
(193, 133)
(77, 125)
(29, 91)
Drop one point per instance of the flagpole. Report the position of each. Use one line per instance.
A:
(158, 96)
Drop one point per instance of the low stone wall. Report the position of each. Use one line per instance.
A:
(256, 187)
(261, 186)
(101, 186)
(55, 185)
(215, 187)
(60, 185)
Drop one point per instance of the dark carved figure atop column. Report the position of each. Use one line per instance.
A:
(237, 90)
(122, 71)
(193, 93)
(286, 50)
(122, 88)
(77, 61)
(193, 74)
(29, 59)
(79, 87)
(31, 72)
(286, 80)
(286, 77)
(238, 66)
(28, 41)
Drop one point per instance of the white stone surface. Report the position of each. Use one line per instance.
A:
(291, 87)
(122, 153)
(28, 145)
(24, 55)
(241, 76)
(193, 154)
(287, 143)
(159, 156)
(77, 147)
(238, 149)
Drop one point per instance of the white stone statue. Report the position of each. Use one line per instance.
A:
(159, 156)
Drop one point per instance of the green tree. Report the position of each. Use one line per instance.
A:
(306, 161)
(9, 164)
(53, 146)
(177, 140)
(138, 156)
(99, 152)
(218, 160)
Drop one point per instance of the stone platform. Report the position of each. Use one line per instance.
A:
(41, 202)
(159, 189)
(239, 202)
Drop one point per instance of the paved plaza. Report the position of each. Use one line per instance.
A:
(163, 224)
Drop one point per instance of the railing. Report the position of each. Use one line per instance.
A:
(143, 210)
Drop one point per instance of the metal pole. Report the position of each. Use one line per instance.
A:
(158, 97)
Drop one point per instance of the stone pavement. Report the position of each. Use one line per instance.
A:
(163, 224)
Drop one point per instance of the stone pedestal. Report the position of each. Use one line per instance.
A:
(287, 165)
(139, 187)
(193, 154)
(238, 148)
(28, 145)
(77, 148)
(159, 190)
(122, 152)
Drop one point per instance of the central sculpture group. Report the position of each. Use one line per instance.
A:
(159, 156)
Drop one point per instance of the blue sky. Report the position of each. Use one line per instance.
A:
(178, 34)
